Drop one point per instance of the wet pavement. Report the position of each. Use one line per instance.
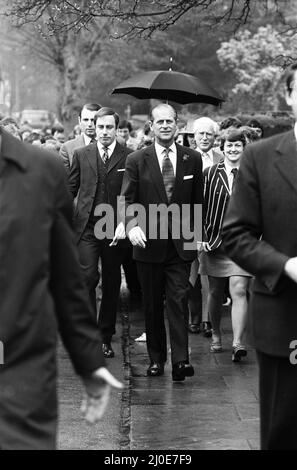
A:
(215, 409)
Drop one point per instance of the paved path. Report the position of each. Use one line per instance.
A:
(215, 409)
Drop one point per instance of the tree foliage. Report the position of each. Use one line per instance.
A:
(134, 18)
(256, 62)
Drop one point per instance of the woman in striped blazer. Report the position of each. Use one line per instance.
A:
(219, 180)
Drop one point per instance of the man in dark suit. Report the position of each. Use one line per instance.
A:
(260, 235)
(170, 175)
(96, 176)
(87, 136)
(41, 290)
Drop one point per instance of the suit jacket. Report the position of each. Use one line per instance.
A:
(216, 198)
(260, 235)
(84, 178)
(68, 148)
(143, 184)
(41, 290)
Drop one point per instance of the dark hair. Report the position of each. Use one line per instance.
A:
(151, 118)
(124, 124)
(254, 123)
(289, 77)
(230, 122)
(57, 128)
(90, 107)
(233, 136)
(107, 112)
(8, 120)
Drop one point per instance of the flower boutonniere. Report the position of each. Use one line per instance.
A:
(186, 157)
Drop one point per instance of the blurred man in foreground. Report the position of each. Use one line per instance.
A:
(260, 235)
(41, 292)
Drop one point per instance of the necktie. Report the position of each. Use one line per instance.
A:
(206, 160)
(105, 155)
(168, 174)
(93, 140)
(234, 171)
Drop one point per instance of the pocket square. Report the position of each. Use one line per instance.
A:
(121, 169)
(188, 177)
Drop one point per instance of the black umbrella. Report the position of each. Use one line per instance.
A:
(170, 86)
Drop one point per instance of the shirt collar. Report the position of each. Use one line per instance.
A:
(87, 139)
(228, 167)
(160, 149)
(110, 147)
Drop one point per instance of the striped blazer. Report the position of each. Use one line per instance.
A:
(216, 198)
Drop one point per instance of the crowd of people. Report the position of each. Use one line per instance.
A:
(246, 219)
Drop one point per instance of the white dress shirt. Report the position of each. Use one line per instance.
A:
(110, 148)
(230, 175)
(172, 155)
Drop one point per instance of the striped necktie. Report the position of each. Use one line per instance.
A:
(168, 174)
(105, 155)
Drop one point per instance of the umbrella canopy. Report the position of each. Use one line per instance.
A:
(171, 86)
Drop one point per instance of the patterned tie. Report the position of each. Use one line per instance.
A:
(168, 174)
(105, 155)
(234, 171)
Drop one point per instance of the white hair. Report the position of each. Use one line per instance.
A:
(206, 120)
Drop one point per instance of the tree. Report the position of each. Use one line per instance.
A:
(135, 18)
(256, 62)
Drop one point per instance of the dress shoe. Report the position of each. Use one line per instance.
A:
(180, 370)
(107, 350)
(189, 370)
(206, 329)
(238, 351)
(155, 369)
(193, 328)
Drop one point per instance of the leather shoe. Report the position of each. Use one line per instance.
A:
(107, 350)
(180, 370)
(206, 328)
(155, 369)
(193, 328)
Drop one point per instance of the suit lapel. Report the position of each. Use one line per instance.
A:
(155, 172)
(92, 155)
(116, 156)
(223, 177)
(286, 159)
(179, 174)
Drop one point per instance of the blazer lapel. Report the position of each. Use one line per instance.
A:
(155, 172)
(223, 177)
(116, 156)
(179, 174)
(286, 159)
(92, 155)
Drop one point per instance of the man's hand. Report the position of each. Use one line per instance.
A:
(97, 393)
(291, 269)
(119, 234)
(202, 246)
(137, 237)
